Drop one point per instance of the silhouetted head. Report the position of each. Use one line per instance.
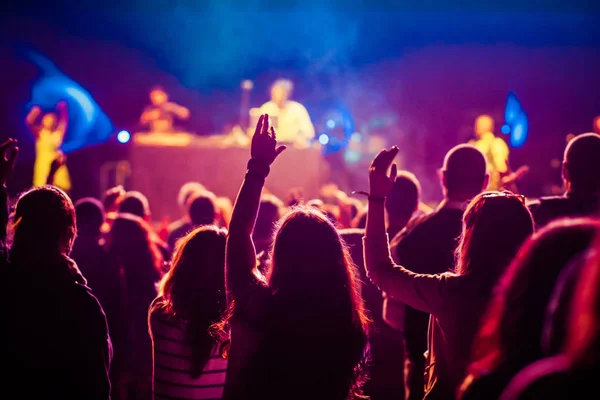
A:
(495, 225)
(135, 203)
(130, 241)
(464, 174)
(512, 329)
(90, 216)
(44, 224)
(185, 192)
(308, 253)
(111, 198)
(269, 212)
(281, 91)
(158, 96)
(402, 201)
(202, 208)
(581, 164)
(483, 125)
(49, 121)
(197, 269)
(194, 289)
(583, 343)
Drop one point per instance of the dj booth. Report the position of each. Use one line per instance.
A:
(161, 164)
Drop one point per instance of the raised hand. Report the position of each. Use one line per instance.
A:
(380, 183)
(8, 156)
(264, 142)
(58, 162)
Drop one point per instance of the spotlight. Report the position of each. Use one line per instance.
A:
(323, 139)
(123, 136)
(330, 123)
(505, 129)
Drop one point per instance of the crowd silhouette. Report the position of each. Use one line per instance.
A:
(487, 296)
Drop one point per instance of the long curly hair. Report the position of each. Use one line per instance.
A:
(315, 330)
(194, 290)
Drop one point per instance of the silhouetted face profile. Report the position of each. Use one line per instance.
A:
(483, 124)
(158, 97)
(49, 121)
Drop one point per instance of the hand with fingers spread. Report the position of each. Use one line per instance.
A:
(264, 142)
(8, 156)
(380, 183)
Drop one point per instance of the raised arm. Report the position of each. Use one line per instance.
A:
(32, 117)
(422, 292)
(240, 251)
(63, 118)
(8, 156)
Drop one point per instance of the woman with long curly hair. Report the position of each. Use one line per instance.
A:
(495, 225)
(191, 298)
(299, 332)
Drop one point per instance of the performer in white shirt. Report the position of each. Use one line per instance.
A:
(289, 118)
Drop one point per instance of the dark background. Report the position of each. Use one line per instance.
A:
(416, 75)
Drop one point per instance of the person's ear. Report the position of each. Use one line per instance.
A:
(565, 172)
(486, 181)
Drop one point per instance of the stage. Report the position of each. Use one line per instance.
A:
(160, 165)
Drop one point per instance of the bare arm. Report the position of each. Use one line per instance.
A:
(418, 291)
(32, 117)
(179, 111)
(240, 253)
(63, 118)
(149, 115)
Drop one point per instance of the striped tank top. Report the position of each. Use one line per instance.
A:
(171, 359)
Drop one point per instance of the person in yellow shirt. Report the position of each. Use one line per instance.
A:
(49, 130)
(494, 148)
(289, 118)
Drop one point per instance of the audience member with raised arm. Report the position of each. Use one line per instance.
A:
(300, 332)
(581, 164)
(426, 246)
(57, 334)
(495, 225)
(187, 363)
(511, 332)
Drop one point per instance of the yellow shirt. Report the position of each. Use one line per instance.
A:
(46, 150)
(496, 153)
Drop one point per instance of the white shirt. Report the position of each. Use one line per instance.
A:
(292, 123)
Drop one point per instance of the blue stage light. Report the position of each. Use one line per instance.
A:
(505, 129)
(88, 124)
(123, 136)
(516, 120)
(330, 124)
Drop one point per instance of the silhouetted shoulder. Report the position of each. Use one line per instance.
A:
(352, 235)
(90, 307)
(545, 209)
(544, 379)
